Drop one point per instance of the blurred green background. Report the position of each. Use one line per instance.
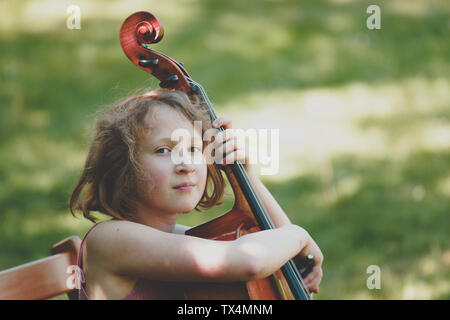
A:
(363, 118)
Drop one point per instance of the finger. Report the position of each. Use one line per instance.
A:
(315, 272)
(313, 281)
(314, 289)
(312, 278)
(314, 285)
(225, 148)
(234, 156)
(234, 143)
(224, 121)
(223, 136)
(222, 150)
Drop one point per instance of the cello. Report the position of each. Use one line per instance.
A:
(248, 214)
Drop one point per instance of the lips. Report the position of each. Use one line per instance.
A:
(185, 185)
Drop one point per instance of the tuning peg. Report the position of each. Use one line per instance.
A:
(309, 264)
(150, 63)
(169, 82)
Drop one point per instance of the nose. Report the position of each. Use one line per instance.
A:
(184, 168)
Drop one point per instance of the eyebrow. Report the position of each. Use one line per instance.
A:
(168, 140)
(162, 140)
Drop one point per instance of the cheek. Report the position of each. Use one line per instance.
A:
(158, 172)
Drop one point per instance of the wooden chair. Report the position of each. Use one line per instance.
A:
(43, 278)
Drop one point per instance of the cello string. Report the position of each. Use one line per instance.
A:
(241, 168)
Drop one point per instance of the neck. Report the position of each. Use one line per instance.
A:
(163, 221)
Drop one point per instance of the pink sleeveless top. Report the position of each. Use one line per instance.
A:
(144, 289)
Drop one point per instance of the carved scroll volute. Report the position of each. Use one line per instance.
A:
(143, 28)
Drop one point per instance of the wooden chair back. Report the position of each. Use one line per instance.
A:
(43, 278)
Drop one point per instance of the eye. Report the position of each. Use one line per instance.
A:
(197, 149)
(163, 148)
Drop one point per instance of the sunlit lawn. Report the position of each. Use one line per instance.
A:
(363, 116)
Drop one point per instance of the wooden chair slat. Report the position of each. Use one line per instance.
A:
(43, 278)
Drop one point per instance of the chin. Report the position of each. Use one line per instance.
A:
(185, 211)
(186, 208)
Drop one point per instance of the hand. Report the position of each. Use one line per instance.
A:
(228, 147)
(314, 277)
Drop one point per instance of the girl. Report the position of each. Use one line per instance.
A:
(129, 174)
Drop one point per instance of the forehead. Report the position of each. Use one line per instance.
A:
(161, 121)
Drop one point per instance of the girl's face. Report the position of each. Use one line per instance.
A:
(159, 192)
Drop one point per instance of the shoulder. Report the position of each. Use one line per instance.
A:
(113, 230)
(113, 241)
(99, 259)
(110, 236)
(104, 230)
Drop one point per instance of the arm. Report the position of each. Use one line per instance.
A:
(227, 148)
(136, 250)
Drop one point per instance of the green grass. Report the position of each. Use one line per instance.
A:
(382, 201)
